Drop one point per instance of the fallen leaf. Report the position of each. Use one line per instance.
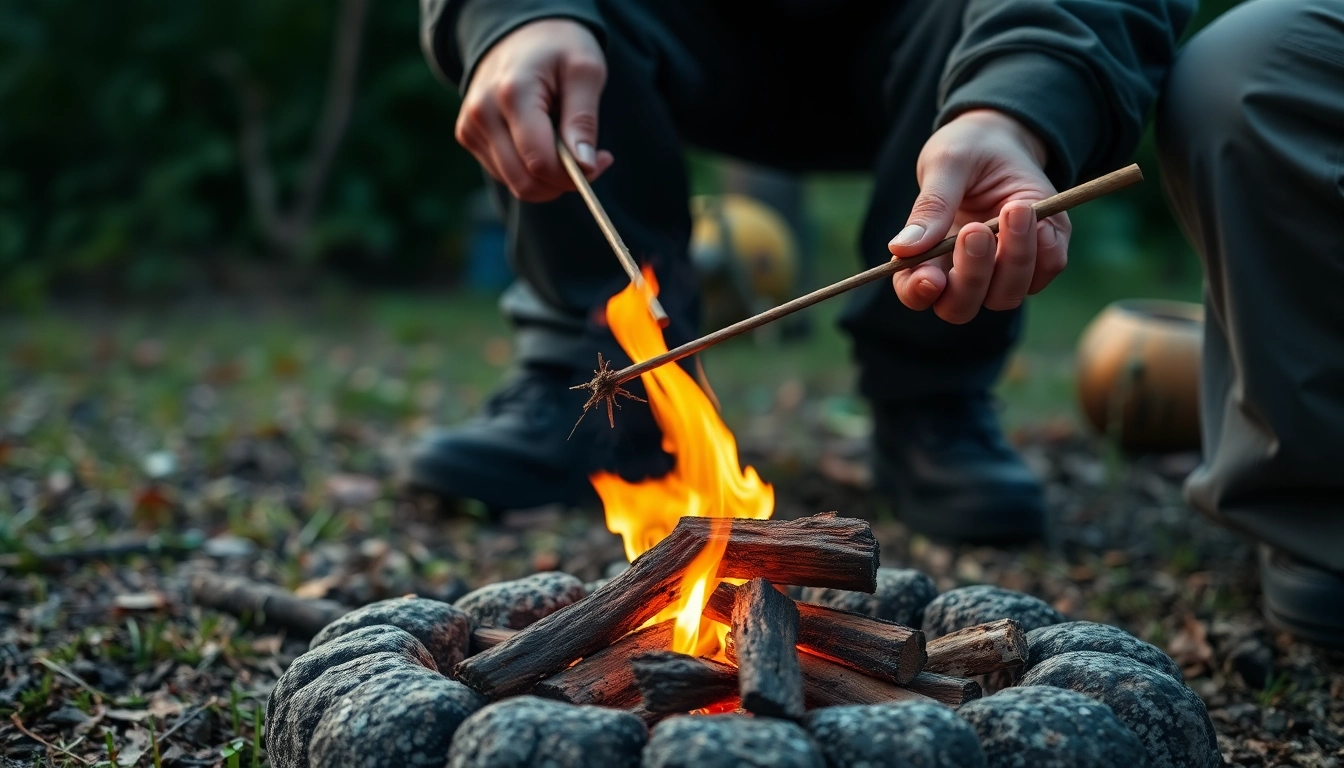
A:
(353, 490)
(142, 601)
(162, 705)
(1190, 648)
(318, 588)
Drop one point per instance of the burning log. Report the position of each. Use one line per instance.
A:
(947, 690)
(827, 684)
(606, 678)
(877, 648)
(979, 650)
(674, 682)
(818, 551)
(765, 624)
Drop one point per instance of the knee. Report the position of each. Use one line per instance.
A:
(1203, 102)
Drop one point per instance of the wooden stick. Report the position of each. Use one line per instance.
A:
(815, 551)
(606, 678)
(609, 230)
(979, 650)
(674, 682)
(765, 625)
(877, 648)
(264, 603)
(947, 690)
(1055, 204)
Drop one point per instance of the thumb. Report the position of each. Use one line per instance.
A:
(582, 79)
(931, 217)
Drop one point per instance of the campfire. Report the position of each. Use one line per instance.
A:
(699, 623)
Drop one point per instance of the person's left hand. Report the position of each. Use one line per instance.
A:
(979, 165)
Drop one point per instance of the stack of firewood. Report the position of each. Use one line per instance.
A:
(784, 657)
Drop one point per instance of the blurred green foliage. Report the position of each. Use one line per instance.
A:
(120, 169)
(119, 162)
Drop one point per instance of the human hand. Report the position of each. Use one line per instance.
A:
(539, 69)
(979, 165)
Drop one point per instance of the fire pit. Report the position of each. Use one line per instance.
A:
(731, 640)
(595, 682)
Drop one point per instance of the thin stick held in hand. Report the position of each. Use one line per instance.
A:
(606, 383)
(604, 224)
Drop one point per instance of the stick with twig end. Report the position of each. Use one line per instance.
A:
(609, 230)
(604, 386)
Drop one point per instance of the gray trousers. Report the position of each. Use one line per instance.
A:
(1251, 132)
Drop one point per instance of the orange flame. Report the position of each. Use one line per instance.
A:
(707, 480)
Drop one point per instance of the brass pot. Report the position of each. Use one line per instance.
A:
(1138, 374)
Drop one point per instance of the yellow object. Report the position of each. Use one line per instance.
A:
(746, 245)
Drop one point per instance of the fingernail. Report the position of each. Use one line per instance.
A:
(926, 286)
(1019, 220)
(585, 153)
(908, 236)
(1046, 237)
(977, 244)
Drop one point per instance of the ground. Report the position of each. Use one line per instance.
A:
(137, 448)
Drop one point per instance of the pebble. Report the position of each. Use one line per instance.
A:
(516, 604)
(1044, 727)
(290, 723)
(1046, 642)
(908, 734)
(730, 741)
(445, 630)
(1251, 657)
(398, 719)
(901, 596)
(532, 732)
(1168, 717)
(968, 606)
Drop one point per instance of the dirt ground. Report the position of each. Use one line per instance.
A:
(104, 660)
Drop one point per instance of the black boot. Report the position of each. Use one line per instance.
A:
(1302, 599)
(951, 473)
(523, 449)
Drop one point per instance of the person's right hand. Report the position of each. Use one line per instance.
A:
(543, 68)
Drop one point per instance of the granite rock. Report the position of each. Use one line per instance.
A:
(382, 640)
(532, 732)
(1043, 727)
(908, 734)
(1170, 720)
(730, 741)
(444, 629)
(518, 603)
(399, 719)
(968, 606)
(289, 731)
(901, 596)
(1046, 642)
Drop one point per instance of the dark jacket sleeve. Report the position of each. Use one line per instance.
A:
(455, 34)
(1081, 73)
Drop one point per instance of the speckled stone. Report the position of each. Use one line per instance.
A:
(968, 606)
(1043, 727)
(444, 629)
(730, 741)
(901, 596)
(387, 641)
(289, 732)
(516, 604)
(532, 732)
(1169, 718)
(908, 734)
(1046, 642)
(399, 719)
